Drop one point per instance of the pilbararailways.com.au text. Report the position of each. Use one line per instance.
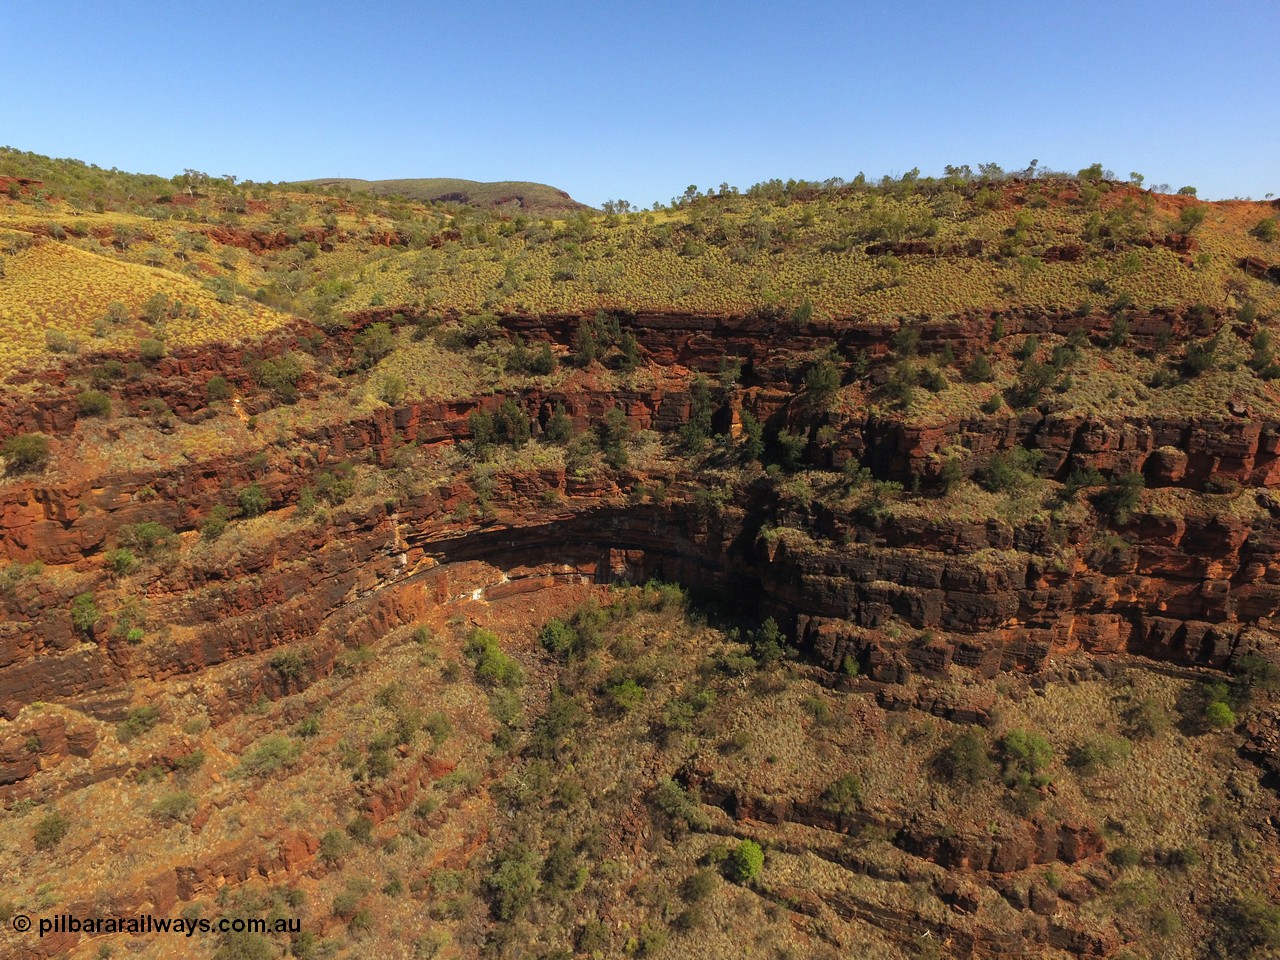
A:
(146, 923)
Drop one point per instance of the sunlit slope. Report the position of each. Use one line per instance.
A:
(55, 298)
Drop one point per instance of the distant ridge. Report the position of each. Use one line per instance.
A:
(536, 198)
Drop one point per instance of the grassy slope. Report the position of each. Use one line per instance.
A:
(576, 803)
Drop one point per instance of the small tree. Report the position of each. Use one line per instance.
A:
(50, 831)
(85, 613)
(94, 403)
(1191, 218)
(1219, 715)
(745, 863)
(374, 343)
(844, 794)
(26, 451)
(979, 370)
(217, 389)
(752, 441)
(254, 500)
(1026, 757)
(585, 346)
(821, 383)
(966, 759)
(391, 389)
(613, 434)
(1121, 496)
(122, 561)
(559, 428)
(697, 430)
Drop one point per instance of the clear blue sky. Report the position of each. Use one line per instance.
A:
(638, 100)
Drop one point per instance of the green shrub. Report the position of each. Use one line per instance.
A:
(122, 561)
(334, 846)
(559, 429)
(273, 753)
(173, 807)
(215, 524)
(1245, 926)
(26, 451)
(254, 500)
(821, 384)
(1201, 355)
(979, 370)
(1033, 380)
(280, 375)
(745, 862)
(1009, 470)
(374, 343)
(559, 638)
(1147, 719)
(1026, 756)
(391, 389)
(767, 642)
(151, 350)
(1125, 857)
(85, 613)
(50, 831)
(493, 667)
(1093, 756)
(137, 722)
(146, 537)
(58, 342)
(844, 794)
(966, 759)
(346, 904)
(217, 389)
(513, 881)
(626, 695)
(673, 802)
(1219, 715)
(1266, 229)
(94, 403)
(1121, 496)
(360, 829)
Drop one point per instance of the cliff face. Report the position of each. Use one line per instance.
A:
(990, 593)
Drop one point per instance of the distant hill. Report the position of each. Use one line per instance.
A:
(515, 194)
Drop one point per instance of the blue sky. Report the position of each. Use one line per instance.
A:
(638, 100)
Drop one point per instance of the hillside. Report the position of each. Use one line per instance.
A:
(536, 199)
(887, 570)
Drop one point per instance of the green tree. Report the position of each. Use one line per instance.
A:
(966, 759)
(613, 434)
(1191, 217)
(697, 429)
(1121, 496)
(50, 831)
(586, 347)
(254, 500)
(94, 403)
(1026, 757)
(1266, 229)
(26, 451)
(821, 384)
(745, 862)
(559, 429)
(85, 613)
(979, 370)
(374, 343)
